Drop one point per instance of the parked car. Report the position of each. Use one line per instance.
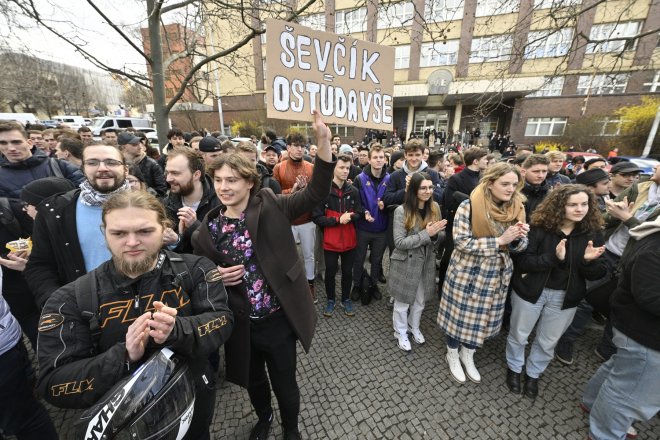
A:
(49, 123)
(646, 164)
(117, 122)
(587, 156)
(72, 121)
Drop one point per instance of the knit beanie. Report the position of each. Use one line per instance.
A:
(36, 191)
(395, 156)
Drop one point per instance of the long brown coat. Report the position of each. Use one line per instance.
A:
(268, 219)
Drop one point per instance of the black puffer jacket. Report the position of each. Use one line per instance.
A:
(267, 179)
(535, 195)
(533, 267)
(153, 175)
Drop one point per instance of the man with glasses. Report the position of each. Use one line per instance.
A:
(20, 165)
(67, 238)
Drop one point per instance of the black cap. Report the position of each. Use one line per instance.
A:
(209, 144)
(395, 157)
(36, 191)
(592, 177)
(127, 138)
(624, 167)
(593, 160)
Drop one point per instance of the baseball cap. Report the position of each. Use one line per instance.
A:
(592, 177)
(209, 144)
(127, 138)
(625, 167)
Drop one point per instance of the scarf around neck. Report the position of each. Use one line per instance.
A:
(91, 197)
(486, 215)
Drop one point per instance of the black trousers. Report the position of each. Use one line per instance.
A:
(273, 346)
(205, 382)
(331, 267)
(21, 414)
(378, 243)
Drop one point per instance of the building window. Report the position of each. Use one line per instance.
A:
(497, 48)
(610, 126)
(439, 54)
(342, 130)
(610, 35)
(443, 10)
(314, 21)
(545, 126)
(555, 4)
(395, 15)
(547, 44)
(350, 21)
(402, 57)
(551, 87)
(602, 84)
(654, 85)
(486, 8)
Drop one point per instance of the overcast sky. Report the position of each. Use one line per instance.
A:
(97, 37)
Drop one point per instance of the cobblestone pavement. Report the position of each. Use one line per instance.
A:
(356, 384)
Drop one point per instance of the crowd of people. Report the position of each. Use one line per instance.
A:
(216, 243)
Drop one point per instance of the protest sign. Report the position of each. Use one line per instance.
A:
(349, 81)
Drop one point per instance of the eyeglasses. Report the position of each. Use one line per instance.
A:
(15, 143)
(110, 163)
(426, 188)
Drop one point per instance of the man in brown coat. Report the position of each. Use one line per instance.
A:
(249, 237)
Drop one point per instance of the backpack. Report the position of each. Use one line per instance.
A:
(89, 304)
(55, 167)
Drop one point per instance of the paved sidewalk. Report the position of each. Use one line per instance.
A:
(356, 384)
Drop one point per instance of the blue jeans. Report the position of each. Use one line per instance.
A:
(624, 389)
(455, 343)
(552, 322)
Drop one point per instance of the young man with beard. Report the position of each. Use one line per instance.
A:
(67, 240)
(293, 175)
(157, 310)
(265, 279)
(371, 184)
(535, 171)
(133, 151)
(191, 195)
(337, 216)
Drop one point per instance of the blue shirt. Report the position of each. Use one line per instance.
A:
(92, 242)
(10, 331)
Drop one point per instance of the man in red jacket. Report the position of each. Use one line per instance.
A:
(337, 216)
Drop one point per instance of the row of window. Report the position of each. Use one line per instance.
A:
(596, 85)
(609, 126)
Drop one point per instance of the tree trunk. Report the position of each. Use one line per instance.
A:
(158, 74)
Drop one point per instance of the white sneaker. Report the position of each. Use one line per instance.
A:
(467, 358)
(404, 342)
(417, 335)
(455, 365)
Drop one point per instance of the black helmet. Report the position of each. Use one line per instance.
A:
(155, 402)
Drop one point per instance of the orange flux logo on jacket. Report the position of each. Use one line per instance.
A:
(121, 309)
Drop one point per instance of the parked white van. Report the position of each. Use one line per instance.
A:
(72, 121)
(120, 123)
(23, 118)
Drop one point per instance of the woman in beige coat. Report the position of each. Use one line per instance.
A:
(487, 227)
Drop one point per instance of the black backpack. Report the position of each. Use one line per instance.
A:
(89, 304)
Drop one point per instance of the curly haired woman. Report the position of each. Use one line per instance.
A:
(565, 245)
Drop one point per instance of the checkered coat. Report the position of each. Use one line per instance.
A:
(475, 288)
(412, 261)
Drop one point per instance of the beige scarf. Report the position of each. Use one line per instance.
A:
(485, 212)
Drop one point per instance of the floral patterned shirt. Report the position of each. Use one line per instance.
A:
(232, 239)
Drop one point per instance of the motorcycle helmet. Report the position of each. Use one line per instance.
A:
(155, 402)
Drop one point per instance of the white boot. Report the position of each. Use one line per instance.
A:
(467, 357)
(455, 365)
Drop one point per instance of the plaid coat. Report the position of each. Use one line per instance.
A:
(476, 285)
(412, 261)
